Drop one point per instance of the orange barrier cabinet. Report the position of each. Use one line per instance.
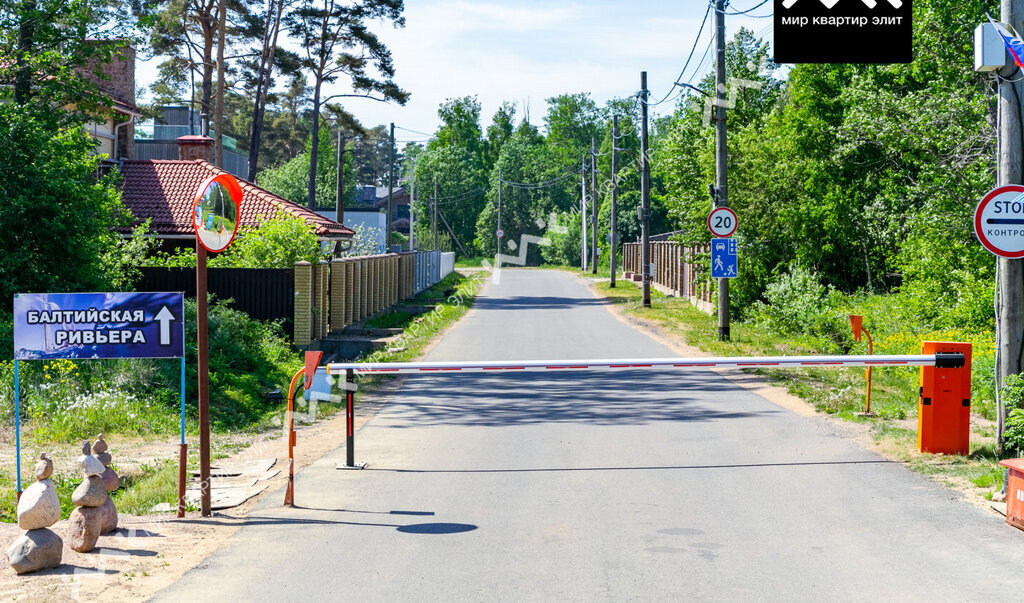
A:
(1015, 492)
(944, 408)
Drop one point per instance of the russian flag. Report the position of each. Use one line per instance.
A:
(1011, 40)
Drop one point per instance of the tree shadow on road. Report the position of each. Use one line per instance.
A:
(603, 398)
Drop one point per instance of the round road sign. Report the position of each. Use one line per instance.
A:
(999, 221)
(722, 222)
(500, 233)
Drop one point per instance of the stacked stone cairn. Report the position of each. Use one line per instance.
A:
(39, 508)
(94, 512)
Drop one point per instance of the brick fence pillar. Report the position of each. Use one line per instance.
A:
(349, 288)
(303, 303)
(338, 290)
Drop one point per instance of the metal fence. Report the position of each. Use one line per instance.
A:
(262, 293)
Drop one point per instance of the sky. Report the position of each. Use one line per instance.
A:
(526, 51)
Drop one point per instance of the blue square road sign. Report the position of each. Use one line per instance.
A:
(724, 260)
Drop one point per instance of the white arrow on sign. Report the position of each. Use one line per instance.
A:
(165, 318)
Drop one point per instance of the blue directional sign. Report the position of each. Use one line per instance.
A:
(724, 260)
(99, 325)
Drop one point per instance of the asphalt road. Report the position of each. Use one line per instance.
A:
(649, 485)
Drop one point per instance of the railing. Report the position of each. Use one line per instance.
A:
(676, 270)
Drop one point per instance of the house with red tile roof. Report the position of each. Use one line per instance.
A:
(163, 191)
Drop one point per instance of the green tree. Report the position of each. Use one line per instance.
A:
(56, 212)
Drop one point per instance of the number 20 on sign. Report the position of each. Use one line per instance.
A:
(722, 222)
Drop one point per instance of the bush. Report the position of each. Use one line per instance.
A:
(797, 303)
(1012, 394)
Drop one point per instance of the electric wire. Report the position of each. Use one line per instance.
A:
(744, 12)
(696, 41)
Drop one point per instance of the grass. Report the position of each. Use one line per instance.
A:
(471, 262)
(154, 485)
(837, 392)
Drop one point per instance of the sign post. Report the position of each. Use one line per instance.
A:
(215, 214)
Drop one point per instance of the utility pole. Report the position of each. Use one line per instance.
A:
(339, 197)
(583, 215)
(613, 235)
(721, 164)
(1010, 325)
(593, 204)
(391, 188)
(499, 233)
(433, 226)
(412, 207)
(645, 195)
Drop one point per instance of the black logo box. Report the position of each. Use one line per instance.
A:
(849, 32)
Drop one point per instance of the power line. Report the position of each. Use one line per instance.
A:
(414, 131)
(743, 12)
(696, 41)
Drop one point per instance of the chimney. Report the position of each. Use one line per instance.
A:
(191, 148)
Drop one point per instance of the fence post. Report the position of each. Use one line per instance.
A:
(303, 303)
(349, 267)
(339, 287)
(378, 278)
(323, 285)
(357, 289)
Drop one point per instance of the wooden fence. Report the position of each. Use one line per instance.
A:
(676, 270)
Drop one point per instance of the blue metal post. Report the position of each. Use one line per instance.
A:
(17, 427)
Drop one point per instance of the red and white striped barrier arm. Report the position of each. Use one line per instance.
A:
(937, 360)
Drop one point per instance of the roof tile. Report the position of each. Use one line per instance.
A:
(164, 190)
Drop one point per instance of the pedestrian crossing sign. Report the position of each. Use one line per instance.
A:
(724, 260)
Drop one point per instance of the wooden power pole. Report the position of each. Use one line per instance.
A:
(721, 156)
(1010, 326)
(613, 234)
(645, 195)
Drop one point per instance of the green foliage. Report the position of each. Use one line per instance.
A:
(276, 243)
(61, 212)
(248, 358)
(124, 258)
(1012, 395)
(291, 178)
(564, 233)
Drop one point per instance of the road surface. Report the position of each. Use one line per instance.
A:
(648, 485)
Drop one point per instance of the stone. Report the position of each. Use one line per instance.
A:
(104, 457)
(86, 448)
(110, 480)
(35, 550)
(100, 446)
(90, 465)
(44, 467)
(39, 506)
(90, 493)
(84, 527)
(108, 517)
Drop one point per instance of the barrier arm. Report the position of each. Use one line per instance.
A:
(944, 410)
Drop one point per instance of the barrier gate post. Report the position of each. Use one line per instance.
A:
(944, 407)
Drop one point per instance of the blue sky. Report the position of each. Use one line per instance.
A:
(526, 51)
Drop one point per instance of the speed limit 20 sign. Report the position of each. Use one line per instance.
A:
(999, 221)
(722, 222)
